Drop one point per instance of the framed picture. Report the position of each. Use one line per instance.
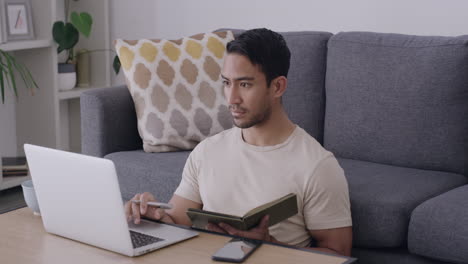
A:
(18, 15)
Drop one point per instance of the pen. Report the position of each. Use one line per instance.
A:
(155, 204)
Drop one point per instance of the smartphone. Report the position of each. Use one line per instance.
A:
(236, 250)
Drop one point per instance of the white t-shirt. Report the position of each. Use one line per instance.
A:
(228, 175)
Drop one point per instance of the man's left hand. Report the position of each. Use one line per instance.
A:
(260, 232)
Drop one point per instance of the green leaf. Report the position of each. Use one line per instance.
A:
(58, 30)
(116, 64)
(2, 64)
(82, 22)
(20, 69)
(71, 36)
(31, 78)
(66, 35)
(8, 66)
(11, 74)
(24, 73)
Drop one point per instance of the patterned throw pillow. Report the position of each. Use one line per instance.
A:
(177, 88)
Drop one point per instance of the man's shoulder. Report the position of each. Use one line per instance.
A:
(305, 136)
(308, 152)
(309, 143)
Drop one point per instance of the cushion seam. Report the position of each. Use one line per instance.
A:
(394, 46)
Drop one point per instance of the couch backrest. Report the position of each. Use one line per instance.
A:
(304, 99)
(398, 99)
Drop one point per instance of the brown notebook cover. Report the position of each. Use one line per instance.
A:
(279, 210)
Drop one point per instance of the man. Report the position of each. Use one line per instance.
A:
(262, 158)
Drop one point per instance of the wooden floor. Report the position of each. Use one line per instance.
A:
(11, 199)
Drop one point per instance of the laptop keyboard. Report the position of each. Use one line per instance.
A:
(141, 240)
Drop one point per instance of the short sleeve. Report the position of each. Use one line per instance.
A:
(326, 198)
(188, 187)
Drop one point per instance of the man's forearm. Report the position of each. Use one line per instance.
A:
(274, 240)
(326, 250)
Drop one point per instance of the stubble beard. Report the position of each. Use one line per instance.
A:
(257, 119)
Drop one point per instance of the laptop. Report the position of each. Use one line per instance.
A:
(79, 198)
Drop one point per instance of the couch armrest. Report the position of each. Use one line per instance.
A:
(108, 121)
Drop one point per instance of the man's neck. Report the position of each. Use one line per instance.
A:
(273, 131)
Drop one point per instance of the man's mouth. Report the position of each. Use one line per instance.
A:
(237, 112)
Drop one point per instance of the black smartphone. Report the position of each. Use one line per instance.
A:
(236, 250)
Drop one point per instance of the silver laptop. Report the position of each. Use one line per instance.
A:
(79, 198)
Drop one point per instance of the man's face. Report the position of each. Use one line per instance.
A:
(246, 91)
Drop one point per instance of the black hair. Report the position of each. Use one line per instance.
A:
(264, 48)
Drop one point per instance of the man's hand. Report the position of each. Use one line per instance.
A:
(135, 211)
(176, 215)
(260, 232)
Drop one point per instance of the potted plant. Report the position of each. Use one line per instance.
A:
(8, 67)
(66, 34)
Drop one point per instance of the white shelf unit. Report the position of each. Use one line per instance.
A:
(27, 44)
(68, 102)
(9, 182)
(51, 117)
(75, 92)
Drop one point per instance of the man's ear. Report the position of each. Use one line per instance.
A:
(279, 85)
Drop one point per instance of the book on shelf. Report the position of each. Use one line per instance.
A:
(14, 166)
(15, 173)
(279, 210)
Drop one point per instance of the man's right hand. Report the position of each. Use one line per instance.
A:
(135, 211)
(176, 215)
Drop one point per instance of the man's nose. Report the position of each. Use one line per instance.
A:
(233, 95)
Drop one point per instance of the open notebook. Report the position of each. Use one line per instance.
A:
(279, 210)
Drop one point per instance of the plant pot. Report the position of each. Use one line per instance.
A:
(66, 76)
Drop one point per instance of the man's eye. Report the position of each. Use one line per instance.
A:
(245, 84)
(225, 83)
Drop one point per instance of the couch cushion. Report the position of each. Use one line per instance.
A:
(304, 99)
(438, 227)
(177, 89)
(157, 173)
(108, 121)
(390, 256)
(398, 99)
(383, 197)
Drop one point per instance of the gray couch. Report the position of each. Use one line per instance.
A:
(394, 110)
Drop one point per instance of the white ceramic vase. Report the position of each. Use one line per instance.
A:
(66, 76)
(30, 196)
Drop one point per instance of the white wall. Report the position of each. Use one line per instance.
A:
(8, 125)
(129, 20)
(177, 18)
(424, 17)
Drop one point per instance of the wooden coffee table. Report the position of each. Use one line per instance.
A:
(24, 240)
